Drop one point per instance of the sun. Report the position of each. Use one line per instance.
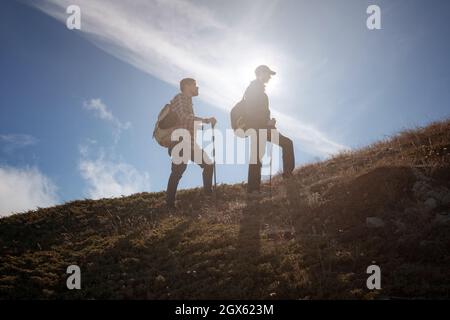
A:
(231, 75)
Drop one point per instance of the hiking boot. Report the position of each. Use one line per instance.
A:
(287, 175)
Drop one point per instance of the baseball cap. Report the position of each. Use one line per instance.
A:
(264, 69)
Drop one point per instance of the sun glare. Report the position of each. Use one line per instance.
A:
(245, 73)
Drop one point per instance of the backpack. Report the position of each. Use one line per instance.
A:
(164, 126)
(238, 117)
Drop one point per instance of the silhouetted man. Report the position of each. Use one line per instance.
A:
(181, 104)
(258, 117)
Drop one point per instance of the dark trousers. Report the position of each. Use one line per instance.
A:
(254, 170)
(178, 170)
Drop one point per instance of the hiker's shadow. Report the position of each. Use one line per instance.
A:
(249, 244)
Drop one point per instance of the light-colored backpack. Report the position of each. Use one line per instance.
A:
(165, 125)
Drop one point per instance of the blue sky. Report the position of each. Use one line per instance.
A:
(77, 107)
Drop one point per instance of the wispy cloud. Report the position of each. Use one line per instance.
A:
(23, 189)
(107, 178)
(10, 142)
(104, 176)
(171, 39)
(103, 112)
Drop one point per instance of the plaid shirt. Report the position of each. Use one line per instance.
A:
(182, 106)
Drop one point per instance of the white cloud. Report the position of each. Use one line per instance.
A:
(11, 142)
(106, 178)
(100, 109)
(171, 39)
(23, 189)
(102, 112)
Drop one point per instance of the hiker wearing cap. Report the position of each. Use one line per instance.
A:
(181, 106)
(257, 105)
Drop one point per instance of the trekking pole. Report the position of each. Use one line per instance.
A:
(270, 172)
(214, 163)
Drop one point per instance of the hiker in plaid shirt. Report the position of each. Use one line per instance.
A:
(181, 104)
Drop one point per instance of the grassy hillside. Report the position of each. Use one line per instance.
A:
(388, 204)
